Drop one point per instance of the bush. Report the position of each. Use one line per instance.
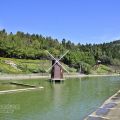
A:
(105, 60)
(115, 62)
(85, 68)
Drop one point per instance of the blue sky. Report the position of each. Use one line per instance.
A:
(84, 21)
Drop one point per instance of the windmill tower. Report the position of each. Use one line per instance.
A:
(57, 68)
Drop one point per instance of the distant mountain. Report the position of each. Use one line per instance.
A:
(116, 42)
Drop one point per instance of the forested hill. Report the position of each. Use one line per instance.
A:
(33, 46)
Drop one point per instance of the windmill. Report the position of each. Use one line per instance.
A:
(57, 68)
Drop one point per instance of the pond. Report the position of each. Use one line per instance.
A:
(72, 99)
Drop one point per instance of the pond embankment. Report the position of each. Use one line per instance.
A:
(42, 76)
(110, 110)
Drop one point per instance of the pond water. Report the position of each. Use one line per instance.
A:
(73, 99)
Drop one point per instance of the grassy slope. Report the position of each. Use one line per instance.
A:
(27, 66)
(41, 66)
(102, 69)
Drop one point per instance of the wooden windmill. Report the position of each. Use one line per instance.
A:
(57, 68)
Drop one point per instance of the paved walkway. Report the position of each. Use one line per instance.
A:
(38, 76)
(110, 110)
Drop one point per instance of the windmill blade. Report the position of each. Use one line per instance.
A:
(63, 67)
(50, 55)
(57, 61)
(51, 67)
(59, 64)
(52, 58)
(60, 59)
(63, 55)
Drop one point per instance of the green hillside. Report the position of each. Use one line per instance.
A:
(29, 53)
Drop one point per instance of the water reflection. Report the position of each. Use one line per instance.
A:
(71, 100)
